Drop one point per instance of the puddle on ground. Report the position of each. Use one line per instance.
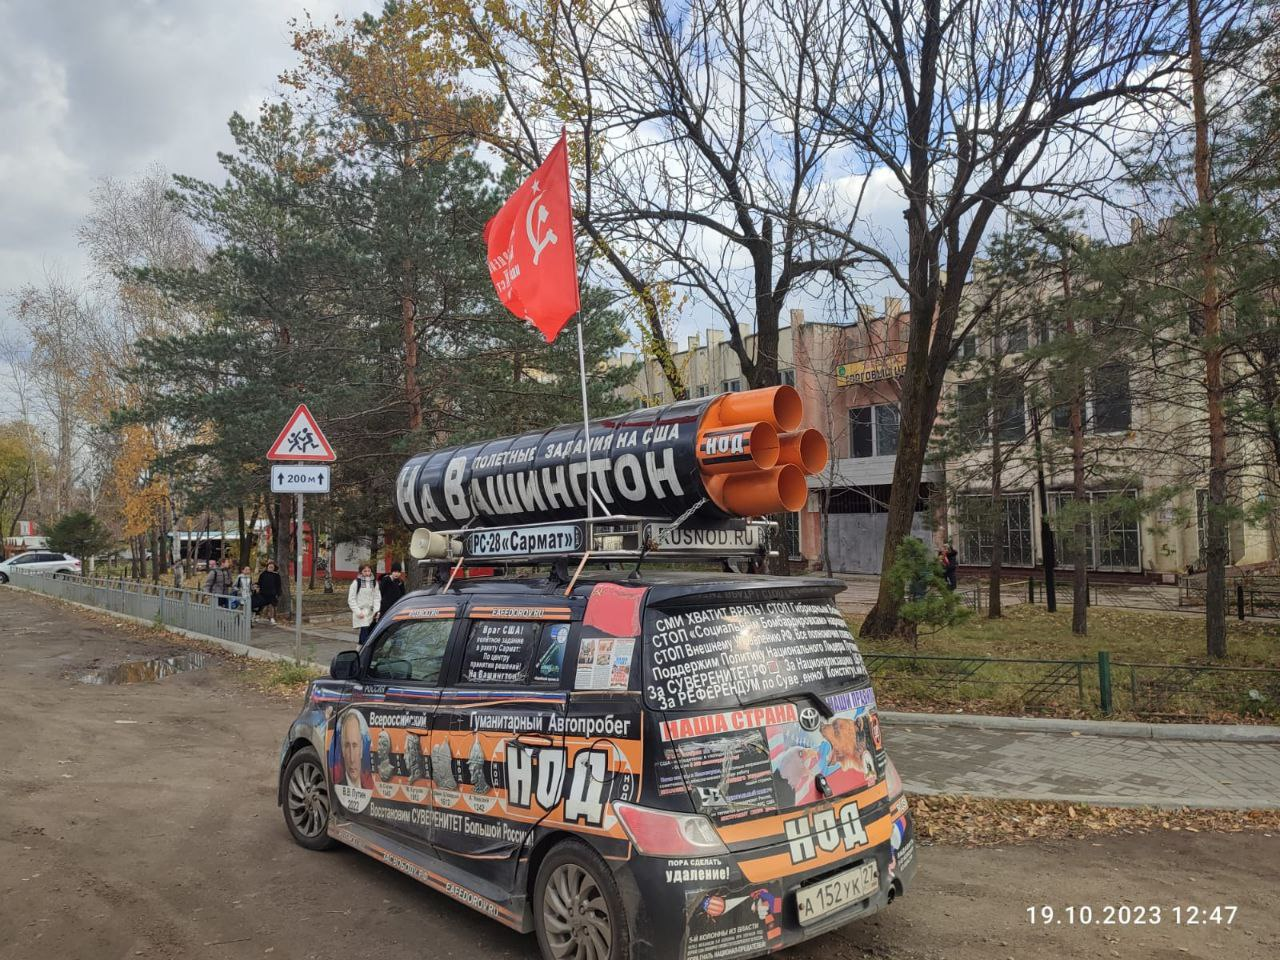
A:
(144, 671)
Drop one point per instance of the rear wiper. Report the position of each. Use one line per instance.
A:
(824, 708)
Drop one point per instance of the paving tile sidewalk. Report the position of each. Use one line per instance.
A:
(319, 641)
(1113, 771)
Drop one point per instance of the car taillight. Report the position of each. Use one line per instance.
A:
(892, 778)
(658, 833)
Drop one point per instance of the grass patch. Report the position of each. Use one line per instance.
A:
(289, 675)
(1029, 632)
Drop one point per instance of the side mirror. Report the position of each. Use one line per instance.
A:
(345, 664)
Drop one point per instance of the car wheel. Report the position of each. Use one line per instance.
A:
(577, 911)
(306, 801)
(4, 578)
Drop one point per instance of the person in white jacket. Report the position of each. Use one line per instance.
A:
(363, 598)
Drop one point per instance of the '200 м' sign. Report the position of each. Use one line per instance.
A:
(525, 541)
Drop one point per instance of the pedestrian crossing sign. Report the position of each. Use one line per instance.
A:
(302, 440)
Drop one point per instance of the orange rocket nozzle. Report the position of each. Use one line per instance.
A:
(779, 406)
(738, 449)
(807, 449)
(760, 492)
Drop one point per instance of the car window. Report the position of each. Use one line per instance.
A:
(24, 558)
(411, 650)
(714, 656)
(499, 651)
(549, 661)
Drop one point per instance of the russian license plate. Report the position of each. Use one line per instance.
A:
(818, 899)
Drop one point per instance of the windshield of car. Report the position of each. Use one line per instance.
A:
(737, 654)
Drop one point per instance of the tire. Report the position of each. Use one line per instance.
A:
(577, 911)
(306, 801)
(4, 578)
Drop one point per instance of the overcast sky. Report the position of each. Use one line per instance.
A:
(110, 88)
(94, 88)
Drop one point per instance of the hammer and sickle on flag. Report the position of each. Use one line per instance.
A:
(530, 247)
(548, 236)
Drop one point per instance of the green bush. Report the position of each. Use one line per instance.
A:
(927, 602)
(81, 535)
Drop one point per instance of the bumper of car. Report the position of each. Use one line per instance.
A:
(706, 910)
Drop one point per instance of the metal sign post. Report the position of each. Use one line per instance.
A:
(300, 442)
(297, 590)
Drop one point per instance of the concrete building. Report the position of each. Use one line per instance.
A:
(1145, 459)
(849, 376)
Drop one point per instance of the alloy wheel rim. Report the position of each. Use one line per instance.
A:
(576, 915)
(308, 799)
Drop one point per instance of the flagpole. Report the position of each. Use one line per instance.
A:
(582, 365)
(586, 419)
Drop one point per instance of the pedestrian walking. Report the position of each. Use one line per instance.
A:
(364, 600)
(391, 588)
(952, 562)
(218, 582)
(269, 589)
(242, 588)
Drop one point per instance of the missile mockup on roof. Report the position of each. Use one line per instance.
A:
(743, 452)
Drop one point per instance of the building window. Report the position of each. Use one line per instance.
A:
(873, 498)
(1010, 409)
(873, 431)
(1113, 538)
(1062, 416)
(971, 410)
(1112, 407)
(700, 390)
(977, 530)
(1015, 339)
(860, 436)
(790, 531)
(730, 386)
(787, 377)
(886, 419)
(968, 347)
(1195, 321)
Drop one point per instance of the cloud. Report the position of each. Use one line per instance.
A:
(95, 88)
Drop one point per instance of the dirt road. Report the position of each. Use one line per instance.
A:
(140, 821)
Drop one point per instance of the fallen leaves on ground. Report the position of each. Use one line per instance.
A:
(979, 821)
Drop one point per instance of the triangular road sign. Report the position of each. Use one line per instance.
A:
(302, 439)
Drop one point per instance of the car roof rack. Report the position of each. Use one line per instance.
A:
(611, 538)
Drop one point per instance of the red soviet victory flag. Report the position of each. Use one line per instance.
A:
(530, 243)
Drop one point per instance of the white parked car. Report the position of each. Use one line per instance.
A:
(40, 561)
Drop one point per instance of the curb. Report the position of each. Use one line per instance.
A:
(239, 649)
(918, 789)
(1222, 733)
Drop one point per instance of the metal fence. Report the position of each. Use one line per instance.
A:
(1104, 593)
(1162, 689)
(1102, 685)
(1251, 595)
(168, 606)
(1034, 684)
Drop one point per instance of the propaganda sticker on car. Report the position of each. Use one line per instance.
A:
(819, 899)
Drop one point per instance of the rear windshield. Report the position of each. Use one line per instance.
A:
(737, 654)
